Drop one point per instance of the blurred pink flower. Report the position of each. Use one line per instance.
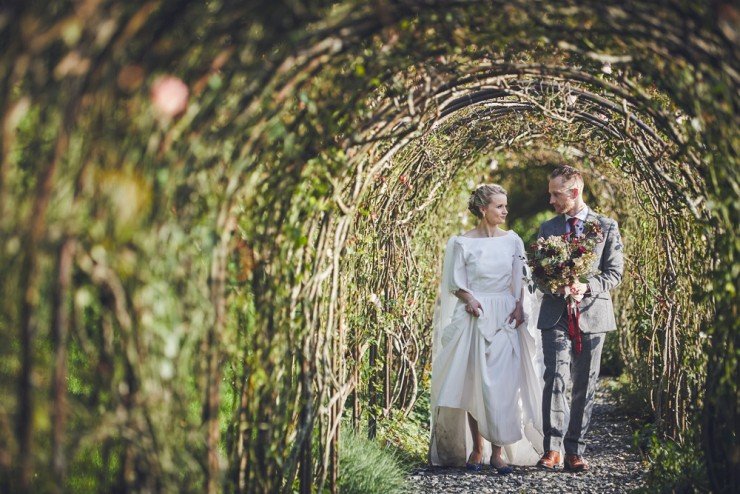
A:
(169, 96)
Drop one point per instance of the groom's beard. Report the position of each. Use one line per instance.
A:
(564, 208)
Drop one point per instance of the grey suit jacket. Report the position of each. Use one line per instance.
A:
(597, 311)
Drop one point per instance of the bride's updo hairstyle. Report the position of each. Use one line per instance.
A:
(482, 196)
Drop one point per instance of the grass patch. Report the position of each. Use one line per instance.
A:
(366, 467)
(408, 436)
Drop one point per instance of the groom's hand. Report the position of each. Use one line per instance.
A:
(578, 288)
(577, 291)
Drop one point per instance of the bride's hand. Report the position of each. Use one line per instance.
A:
(517, 315)
(473, 307)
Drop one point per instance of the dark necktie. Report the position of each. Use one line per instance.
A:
(573, 222)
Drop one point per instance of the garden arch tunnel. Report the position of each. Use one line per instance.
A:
(257, 240)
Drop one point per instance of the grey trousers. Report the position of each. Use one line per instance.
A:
(563, 366)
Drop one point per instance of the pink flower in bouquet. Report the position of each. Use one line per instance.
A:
(169, 96)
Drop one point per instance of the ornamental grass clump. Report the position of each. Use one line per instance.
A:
(365, 467)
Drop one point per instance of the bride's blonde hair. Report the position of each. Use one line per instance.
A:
(482, 196)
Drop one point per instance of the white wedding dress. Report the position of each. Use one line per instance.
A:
(482, 365)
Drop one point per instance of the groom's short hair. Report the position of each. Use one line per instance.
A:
(568, 173)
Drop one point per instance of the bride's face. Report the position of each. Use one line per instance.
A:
(495, 213)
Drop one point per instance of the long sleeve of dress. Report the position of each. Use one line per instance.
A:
(518, 270)
(459, 278)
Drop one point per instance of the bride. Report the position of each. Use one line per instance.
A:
(486, 358)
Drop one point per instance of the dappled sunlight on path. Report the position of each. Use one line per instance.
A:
(615, 463)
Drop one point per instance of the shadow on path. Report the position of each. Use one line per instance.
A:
(615, 464)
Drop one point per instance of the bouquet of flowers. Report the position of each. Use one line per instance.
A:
(561, 260)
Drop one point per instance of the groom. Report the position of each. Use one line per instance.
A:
(563, 364)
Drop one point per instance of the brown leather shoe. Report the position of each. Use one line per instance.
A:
(575, 463)
(550, 460)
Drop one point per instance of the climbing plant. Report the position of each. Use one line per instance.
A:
(222, 221)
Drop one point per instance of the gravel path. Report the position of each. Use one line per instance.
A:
(615, 466)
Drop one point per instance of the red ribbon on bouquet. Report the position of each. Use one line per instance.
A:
(574, 328)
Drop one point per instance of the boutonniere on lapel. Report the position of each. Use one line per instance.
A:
(592, 230)
(561, 260)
